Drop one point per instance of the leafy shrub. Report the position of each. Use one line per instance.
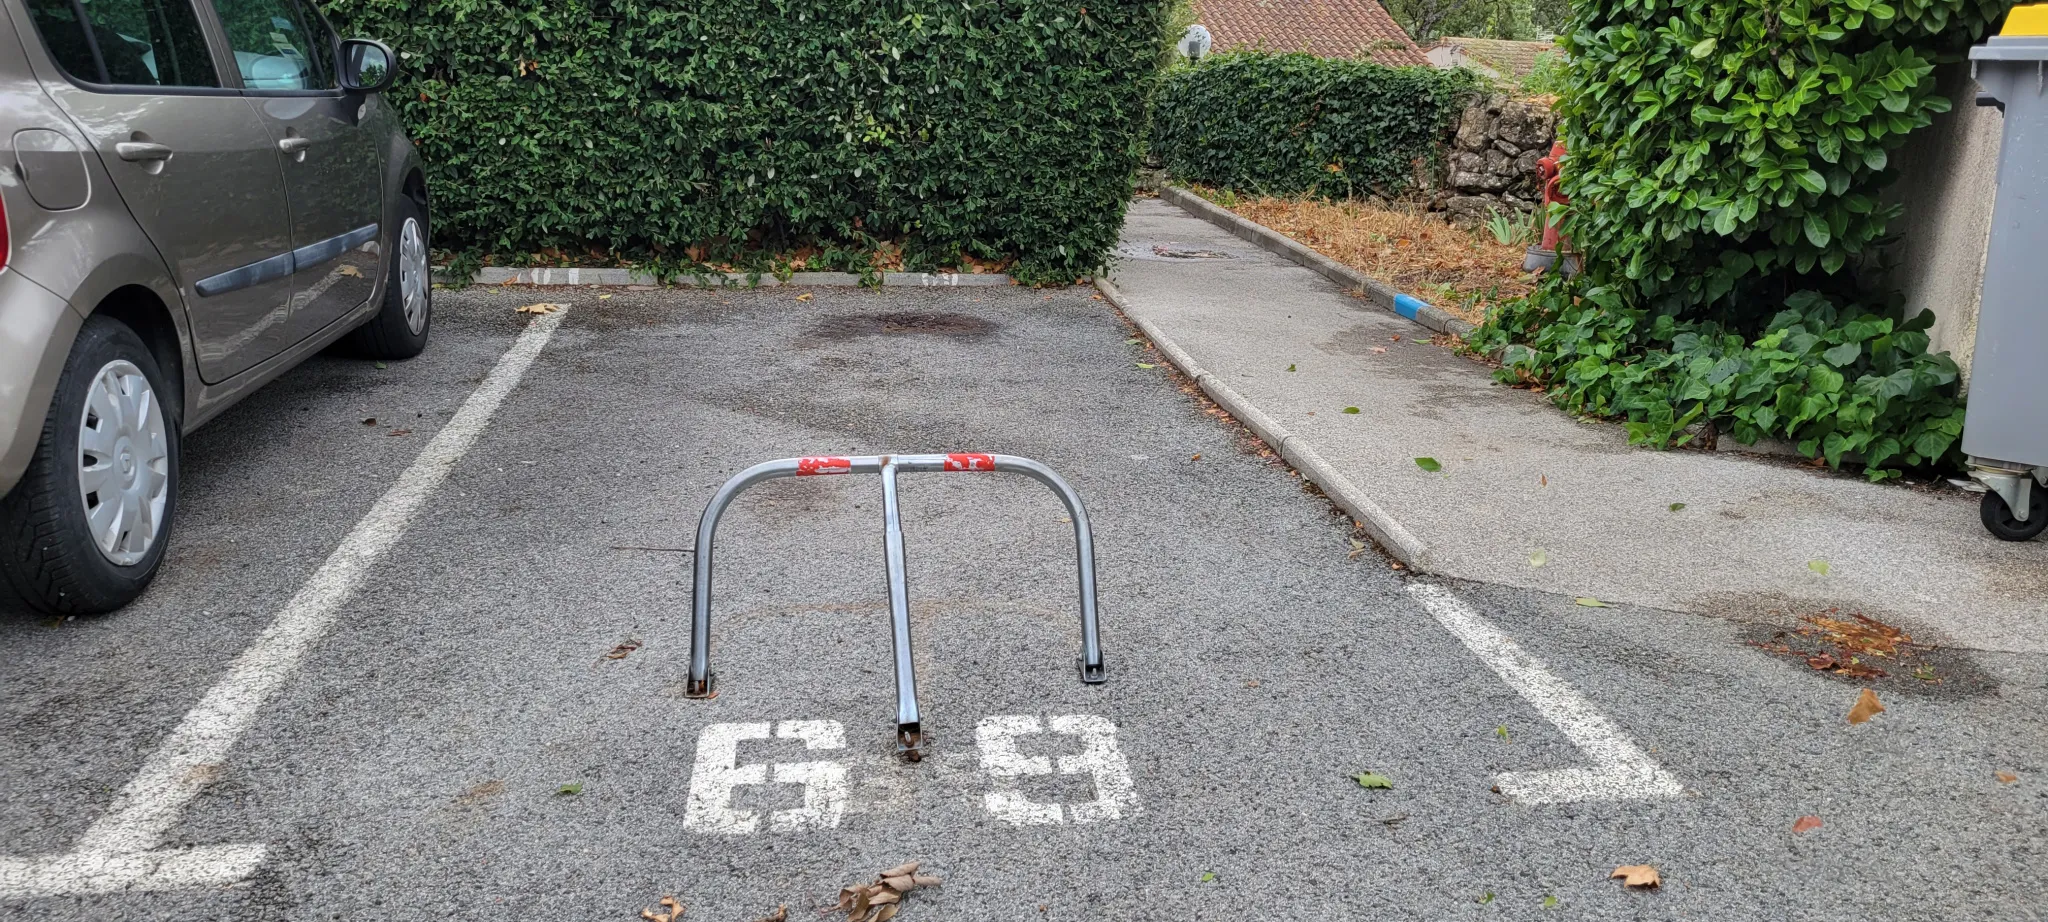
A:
(1726, 158)
(1547, 76)
(1296, 124)
(993, 129)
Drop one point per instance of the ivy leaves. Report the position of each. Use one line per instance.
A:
(1726, 157)
(1763, 124)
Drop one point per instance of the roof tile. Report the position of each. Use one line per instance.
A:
(1330, 28)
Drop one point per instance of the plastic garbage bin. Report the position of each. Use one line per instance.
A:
(2005, 430)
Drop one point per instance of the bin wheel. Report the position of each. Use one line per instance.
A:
(1998, 518)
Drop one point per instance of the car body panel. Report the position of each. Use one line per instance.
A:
(71, 262)
(37, 328)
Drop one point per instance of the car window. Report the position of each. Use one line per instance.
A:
(278, 45)
(126, 42)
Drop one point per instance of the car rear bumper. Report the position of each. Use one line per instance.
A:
(36, 331)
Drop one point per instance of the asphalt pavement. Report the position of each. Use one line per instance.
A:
(491, 723)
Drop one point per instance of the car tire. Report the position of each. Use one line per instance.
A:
(53, 558)
(399, 328)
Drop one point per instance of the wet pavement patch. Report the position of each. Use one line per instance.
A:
(950, 325)
(1865, 651)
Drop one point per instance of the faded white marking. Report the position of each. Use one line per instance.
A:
(1115, 793)
(115, 853)
(717, 774)
(1620, 771)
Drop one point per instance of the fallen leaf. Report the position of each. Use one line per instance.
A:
(907, 867)
(1132, 341)
(1822, 661)
(1351, 410)
(1397, 337)
(1502, 732)
(781, 914)
(369, 420)
(572, 788)
(1537, 558)
(1590, 602)
(1195, 458)
(1866, 707)
(1208, 876)
(381, 365)
(1818, 566)
(1290, 367)
(1674, 507)
(1549, 901)
(1543, 481)
(1636, 875)
(2005, 777)
(1486, 898)
(541, 308)
(620, 651)
(604, 297)
(806, 296)
(1428, 464)
(1376, 350)
(674, 913)
(1806, 823)
(399, 432)
(1146, 365)
(350, 271)
(1373, 781)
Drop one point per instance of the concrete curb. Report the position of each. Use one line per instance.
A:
(1350, 279)
(1384, 528)
(501, 275)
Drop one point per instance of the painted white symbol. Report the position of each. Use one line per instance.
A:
(1114, 793)
(718, 773)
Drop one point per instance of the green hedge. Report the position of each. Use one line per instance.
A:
(727, 129)
(1296, 124)
(1727, 158)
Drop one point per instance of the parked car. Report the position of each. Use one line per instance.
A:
(198, 195)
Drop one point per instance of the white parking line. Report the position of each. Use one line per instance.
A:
(1621, 770)
(116, 853)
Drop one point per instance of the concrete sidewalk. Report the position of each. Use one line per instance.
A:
(1288, 352)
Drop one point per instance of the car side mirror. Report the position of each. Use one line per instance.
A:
(367, 65)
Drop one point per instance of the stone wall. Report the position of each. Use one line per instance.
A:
(1492, 163)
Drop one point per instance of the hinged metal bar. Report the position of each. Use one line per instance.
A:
(909, 724)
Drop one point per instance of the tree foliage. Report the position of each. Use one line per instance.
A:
(992, 128)
(1725, 167)
(1296, 124)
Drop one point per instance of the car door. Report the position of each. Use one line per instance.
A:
(189, 156)
(287, 58)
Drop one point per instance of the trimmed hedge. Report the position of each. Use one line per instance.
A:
(723, 131)
(1296, 124)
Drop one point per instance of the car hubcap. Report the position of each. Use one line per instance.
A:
(124, 469)
(412, 274)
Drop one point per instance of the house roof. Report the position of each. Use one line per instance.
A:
(1330, 28)
(1509, 58)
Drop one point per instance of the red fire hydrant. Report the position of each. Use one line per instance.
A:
(1545, 254)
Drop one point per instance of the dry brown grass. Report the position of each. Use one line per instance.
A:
(1460, 271)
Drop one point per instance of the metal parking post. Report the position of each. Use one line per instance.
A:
(909, 722)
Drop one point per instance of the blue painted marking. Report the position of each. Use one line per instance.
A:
(1408, 305)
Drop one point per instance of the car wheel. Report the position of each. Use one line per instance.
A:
(399, 329)
(85, 529)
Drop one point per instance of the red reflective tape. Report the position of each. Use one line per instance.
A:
(970, 462)
(806, 467)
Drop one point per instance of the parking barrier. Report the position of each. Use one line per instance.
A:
(909, 726)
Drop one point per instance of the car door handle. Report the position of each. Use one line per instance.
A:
(141, 151)
(294, 145)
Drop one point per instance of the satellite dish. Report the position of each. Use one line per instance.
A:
(1194, 44)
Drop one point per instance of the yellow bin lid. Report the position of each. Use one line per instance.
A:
(2031, 19)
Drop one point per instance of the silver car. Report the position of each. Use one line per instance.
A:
(198, 195)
